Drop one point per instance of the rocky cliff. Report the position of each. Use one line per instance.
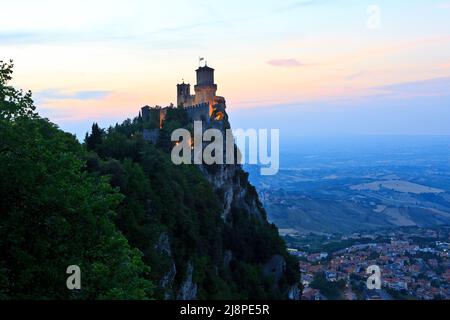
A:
(201, 228)
(239, 202)
(136, 224)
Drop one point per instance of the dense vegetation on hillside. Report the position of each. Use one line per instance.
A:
(117, 207)
(55, 214)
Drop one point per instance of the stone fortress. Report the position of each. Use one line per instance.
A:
(204, 105)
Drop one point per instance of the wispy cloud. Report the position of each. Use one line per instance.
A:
(50, 37)
(355, 75)
(299, 4)
(430, 87)
(21, 38)
(286, 63)
(191, 26)
(57, 94)
(113, 35)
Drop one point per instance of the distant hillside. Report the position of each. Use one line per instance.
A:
(343, 185)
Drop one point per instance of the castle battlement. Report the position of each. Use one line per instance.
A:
(195, 106)
(205, 89)
(203, 106)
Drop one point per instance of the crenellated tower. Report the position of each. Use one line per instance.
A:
(205, 89)
(184, 97)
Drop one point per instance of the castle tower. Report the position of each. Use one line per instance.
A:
(184, 97)
(205, 89)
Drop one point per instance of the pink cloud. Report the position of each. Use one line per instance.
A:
(286, 63)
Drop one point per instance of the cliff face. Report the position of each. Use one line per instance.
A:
(232, 183)
(239, 201)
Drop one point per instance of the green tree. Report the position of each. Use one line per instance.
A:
(14, 103)
(177, 202)
(331, 290)
(54, 214)
(95, 138)
(117, 206)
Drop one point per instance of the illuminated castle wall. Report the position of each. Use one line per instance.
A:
(204, 105)
(205, 89)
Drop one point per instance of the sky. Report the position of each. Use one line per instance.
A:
(307, 67)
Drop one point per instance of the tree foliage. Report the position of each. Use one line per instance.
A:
(55, 214)
(121, 210)
(162, 199)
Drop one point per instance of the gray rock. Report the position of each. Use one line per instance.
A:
(188, 289)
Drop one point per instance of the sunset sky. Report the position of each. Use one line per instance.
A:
(307, 67)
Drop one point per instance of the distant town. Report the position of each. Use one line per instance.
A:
(414, 264)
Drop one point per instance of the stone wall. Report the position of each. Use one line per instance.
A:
(198, 112)
(151, 135)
